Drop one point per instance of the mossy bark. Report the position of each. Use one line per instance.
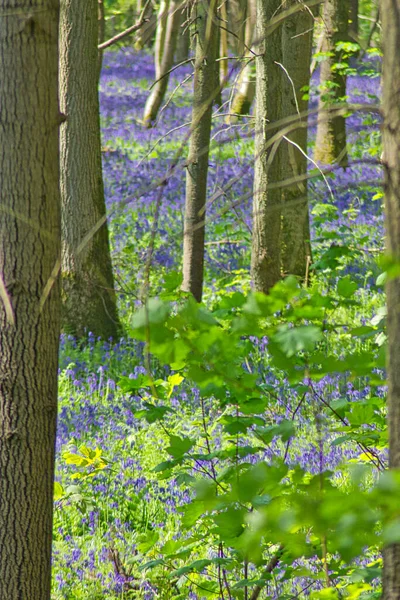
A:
(297, 37)
(30, 233)
(89, 301)
(391, 160)
(266, 237)
(197, 169)
(330, 145)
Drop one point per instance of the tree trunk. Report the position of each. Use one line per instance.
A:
(157, 94)
(161, 32)
(29, 293)
(391, 148)
(217, 96)
(89, 302)
(183, 41)
(246, 85)
(330, 143)
(236, 24)
(101, 30)
(354, 19)
(145, 33)
(223, 45)
(265, 253)
(297, 38)
(196, 176)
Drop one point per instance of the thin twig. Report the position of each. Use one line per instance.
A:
(120, 36)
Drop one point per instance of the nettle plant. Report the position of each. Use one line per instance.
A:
(267, 518)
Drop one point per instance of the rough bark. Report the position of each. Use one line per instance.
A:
(246, 85)
(297, 37)
(89, 302)
(196, 176)
(266, 239)
(161, 32)
(30, 234)
(101, 31)
(391, 149)
(158, 92)
(331, 140)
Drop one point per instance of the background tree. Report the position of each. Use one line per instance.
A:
(29, 293)
(199, 144)
(161, 32)
(297, 39)
(354, 8)
(89, 302)
(246, 85)
(266, 237)
(330, 145)
(391, 145)
(157, 95)
(183, 41)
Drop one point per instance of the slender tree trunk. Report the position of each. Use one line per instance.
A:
(161, 32)
(331, 140)
(297, 38)
(246, 85)
(391, 148)
(217, 98)
(30, 234)
(223, 44)
(89, 302)
(145, 33)
(354, 18)
(157, 94)
(196, 176)
(102, 31)
(236, 25)
(265, 253)
(183, 41)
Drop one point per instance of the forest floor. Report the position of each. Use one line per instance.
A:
(114, 513)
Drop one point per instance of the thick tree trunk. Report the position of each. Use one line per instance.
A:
(265, 252)
(30, 233)
(246, 85)
(391, 148)
(157, 94)
(161, 32)
(196, 176)
(331, 140)
(297, 38)
(89, 302)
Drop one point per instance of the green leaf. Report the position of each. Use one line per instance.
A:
(229, 523)
(296, 339)
(346, 287)
(156, 311)
(179, 446)
(152, 413)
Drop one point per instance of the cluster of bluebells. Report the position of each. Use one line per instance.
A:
(117, 506)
